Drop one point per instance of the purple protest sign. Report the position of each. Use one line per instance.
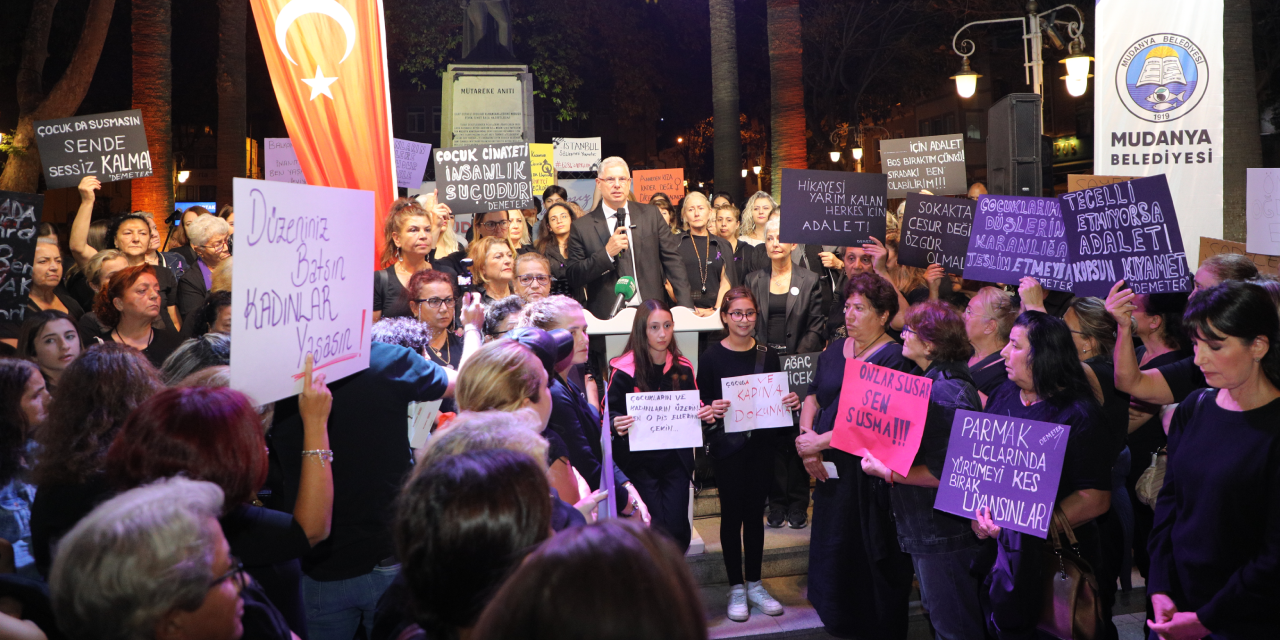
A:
(1016, 236)
(1008, 465)
(1128, 231)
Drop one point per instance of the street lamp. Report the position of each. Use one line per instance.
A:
(966, 79)
(1034, 27)
(835, 156)
(1077, 70)
(857, 153)
(756, 169)
(183, 175)
(744, 173)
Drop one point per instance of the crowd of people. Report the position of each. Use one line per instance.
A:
(143, 497)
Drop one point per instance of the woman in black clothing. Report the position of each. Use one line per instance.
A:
(128, 307)
(987, 320)
(408, 239)
(651, 361)
(1215, 541)
(553, 239)
(859, 578)
(707, 257)
(50, 339)
(492, 267)
(743, 462)
(1046, 383)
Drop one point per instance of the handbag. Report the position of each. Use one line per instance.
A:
(1152, 480)
(719, 443)
(1072, 610)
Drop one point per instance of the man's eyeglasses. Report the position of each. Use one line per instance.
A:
(739, 316)
(529, 279)
(614, 180)
(499, 224)
(436, 303)
(235, 573)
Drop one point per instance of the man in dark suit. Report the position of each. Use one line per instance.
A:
(619, 238)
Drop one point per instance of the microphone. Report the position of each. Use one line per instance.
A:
(625, 288)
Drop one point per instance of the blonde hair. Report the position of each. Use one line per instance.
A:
(500, 376)
(747, 224)
(93, 268)
(547, 313)
(222, 276)
(684, 208)
(401, 210)
(998, 304)
(485, 430)
(479, 250)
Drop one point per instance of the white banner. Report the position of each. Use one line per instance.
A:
(577, 154)
(1158, 102)
(755, 402)
(280, 163)
(300, 284)
(664, 420)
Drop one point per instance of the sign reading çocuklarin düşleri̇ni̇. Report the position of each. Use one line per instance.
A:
(1016, 236)
(832, 207)
(933, 163)
(487, 177)
(111, 146)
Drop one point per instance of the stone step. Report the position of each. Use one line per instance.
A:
(786, 552)
(706, 503)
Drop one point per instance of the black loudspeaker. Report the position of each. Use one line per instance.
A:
(1014, 151)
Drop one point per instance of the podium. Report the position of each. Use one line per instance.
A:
(616, 330)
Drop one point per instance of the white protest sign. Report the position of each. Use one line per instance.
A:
(581, 191)
(755, 402)
(664, 420)
(300, 285)
(411, 162)
(577, 154)
(280, 163)
(1262, 211)
(421, 416)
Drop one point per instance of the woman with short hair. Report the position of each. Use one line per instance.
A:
(987, 321)
(209, 350)
(211, 242)
(708, 259)
(128, 307)
(492, 267)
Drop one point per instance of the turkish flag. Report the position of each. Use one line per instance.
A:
(328, 63)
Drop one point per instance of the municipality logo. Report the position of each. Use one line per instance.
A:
(1162, 77)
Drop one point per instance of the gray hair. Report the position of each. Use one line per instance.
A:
(548, 312)
(205, 227)
(614, 161)
(498, 310)
(774, 224)
(403, 332)
(481, 430)
(748, 223)
(209, 350)
(689, 199)
(93, 268)
(135, 558)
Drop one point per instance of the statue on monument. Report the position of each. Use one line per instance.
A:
(477, 27)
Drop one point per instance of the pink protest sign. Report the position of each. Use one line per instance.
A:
(881, 411)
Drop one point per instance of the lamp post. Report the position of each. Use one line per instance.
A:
(1035, 27)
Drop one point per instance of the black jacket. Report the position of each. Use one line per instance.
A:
(804, 310)
(578, 424)
(654, 248)
(191, 291)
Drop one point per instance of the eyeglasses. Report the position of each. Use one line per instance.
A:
(216, 246)
(906, 330)
(529, 279)
(235, 573)
(739, 316)
(491, 225)
(436, 303)
(614, 180)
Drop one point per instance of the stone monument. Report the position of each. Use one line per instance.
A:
(488, 96)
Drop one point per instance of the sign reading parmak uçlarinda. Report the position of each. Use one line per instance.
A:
(111, 146)
(935, 231)
(832, 207)
(487, 177)
(1016, 236)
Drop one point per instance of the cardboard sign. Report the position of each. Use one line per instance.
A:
(881, 411)
(933, 163)
(664, 420)
(936, 231)
(542, 169)
(1128, 231)
(832, 207)
(1016, 236)
(647, 182)
(19, 217)
(486, 177)
(411, 162)
(300, 284)
(800, 369)
(1210, 247)
(577, 154)
(1080, 181)
(111, 146)
(280, 163)
(755, 402)
(1262, 211)
(1008, 465)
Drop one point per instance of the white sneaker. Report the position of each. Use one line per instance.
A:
(738, 609)
(757, 596)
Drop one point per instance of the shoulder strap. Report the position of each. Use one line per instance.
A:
(384, 280)
(761, 351)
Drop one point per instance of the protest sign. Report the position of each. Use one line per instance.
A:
(1080, 181)
(19, 217)
(486, 177)
(421, 416)
(1010, 466)
(542, 169)
(1016, 236)
(881, 411)
(577, 154)
(1262, 211)
(411, 162)
(1128, 231)
(111, 146)
(832, 207)
(581, 192)
(300, 284)
(933, 163)
(1210, 247)
(647, 182)
(800, 369)
(755, 402)
(664, 420)
(280, 163)
(935, 231)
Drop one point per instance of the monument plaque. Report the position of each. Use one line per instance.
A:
(486, 104)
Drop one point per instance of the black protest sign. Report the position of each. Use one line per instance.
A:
(1016, 236)
(933, 163)
(486, 177)
(1128, 231)
(935, 231)
(800, 369)
(111, 146)
(832, 207)
(19, 217)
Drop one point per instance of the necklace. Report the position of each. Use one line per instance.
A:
(442, 354)
(873, 343)
(151, 335)
(1022, 395)
(702, 268)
